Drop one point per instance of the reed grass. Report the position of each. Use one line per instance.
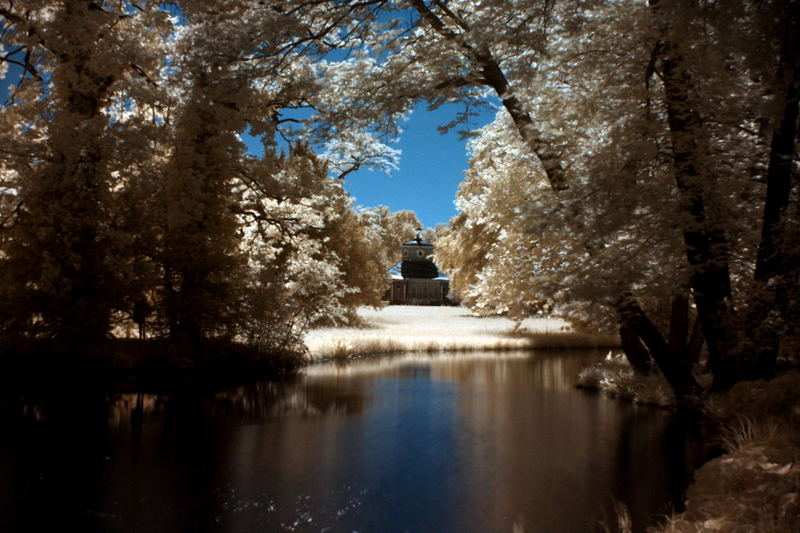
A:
(396, 329)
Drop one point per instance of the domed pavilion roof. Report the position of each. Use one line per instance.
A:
(418, 242)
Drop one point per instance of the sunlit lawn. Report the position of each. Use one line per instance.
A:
(399, 328)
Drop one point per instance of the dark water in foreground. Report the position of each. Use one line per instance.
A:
(466, 443)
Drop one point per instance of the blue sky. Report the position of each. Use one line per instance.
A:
(431, 167)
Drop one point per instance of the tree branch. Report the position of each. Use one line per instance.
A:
(494, 77)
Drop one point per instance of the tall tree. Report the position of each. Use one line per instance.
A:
(239, 66)
(650, 165)
(707, 245)
(57, 265)
(777, 260)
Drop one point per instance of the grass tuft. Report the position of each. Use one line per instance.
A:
(746, 432)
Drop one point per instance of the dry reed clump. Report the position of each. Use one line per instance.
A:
(755, 486)
(395, 329)
(624, 524)
(615, 376)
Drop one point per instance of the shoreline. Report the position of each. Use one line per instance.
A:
(753, 482)
(386, 331)
(404, 328)
(123, 365)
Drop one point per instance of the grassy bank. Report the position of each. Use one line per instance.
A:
(754, 487)
(400, 328)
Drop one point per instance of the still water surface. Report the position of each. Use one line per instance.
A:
(446, 443)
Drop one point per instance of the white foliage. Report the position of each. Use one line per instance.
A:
(354, 149)
(518, 249)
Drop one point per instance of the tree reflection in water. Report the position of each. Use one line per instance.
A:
(450, 442)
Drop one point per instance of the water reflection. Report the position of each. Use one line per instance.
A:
(464, 442)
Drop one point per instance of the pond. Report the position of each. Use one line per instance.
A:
(415, 443)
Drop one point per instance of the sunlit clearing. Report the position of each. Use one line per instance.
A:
(434, 329)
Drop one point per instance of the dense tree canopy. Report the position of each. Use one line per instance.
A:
(670, 116)
(640, 174)
(127, 189)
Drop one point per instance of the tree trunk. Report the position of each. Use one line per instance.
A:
(679, 324)
(677, 374)
(707, 247)
(696, 341)
(635, 351)
(776, 267)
